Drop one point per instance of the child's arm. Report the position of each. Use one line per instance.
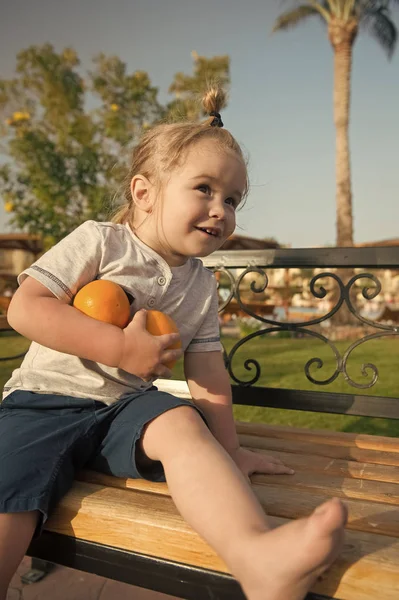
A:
(38, 315)
(210, 388)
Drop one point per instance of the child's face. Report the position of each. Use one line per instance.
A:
(197, 211)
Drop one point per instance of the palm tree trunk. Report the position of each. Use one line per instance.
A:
(342, 36)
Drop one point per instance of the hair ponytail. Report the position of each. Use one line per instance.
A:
(213, 102)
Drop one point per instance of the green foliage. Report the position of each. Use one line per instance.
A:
(292, 17)
(67, 161)
(129, 101)
(188, 88)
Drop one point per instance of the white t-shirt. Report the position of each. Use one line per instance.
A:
(113, 252)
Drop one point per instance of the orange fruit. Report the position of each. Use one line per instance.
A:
(159, 323)
(105, 301)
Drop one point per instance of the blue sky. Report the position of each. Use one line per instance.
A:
(280, 101)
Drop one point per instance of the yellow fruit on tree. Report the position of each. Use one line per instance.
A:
(21, 116)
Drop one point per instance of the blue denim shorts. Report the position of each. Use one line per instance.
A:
(45, 439)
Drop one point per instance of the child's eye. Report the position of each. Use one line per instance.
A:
(204, 188)
(232, 202)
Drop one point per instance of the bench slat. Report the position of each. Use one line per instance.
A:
(343, 487)
(373, 491)
(319, 449)
(314, 401)
(336, 466)
(150, 524)
(132, 520)
(290, 501)
(320, 436)
(301, 462)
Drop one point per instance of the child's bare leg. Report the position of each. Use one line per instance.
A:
(214, 498)
(16, 531)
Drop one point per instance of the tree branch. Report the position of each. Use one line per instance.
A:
(291, 17)
(348, 9)
(382, 28)
(320, 9)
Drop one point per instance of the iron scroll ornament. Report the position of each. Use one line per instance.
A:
(318, 291)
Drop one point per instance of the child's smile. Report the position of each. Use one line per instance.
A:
(212, 231)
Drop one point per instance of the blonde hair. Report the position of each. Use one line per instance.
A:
(161, 148)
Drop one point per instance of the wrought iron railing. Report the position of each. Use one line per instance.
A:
(237, 266)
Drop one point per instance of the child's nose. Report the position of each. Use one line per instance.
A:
(217, 209)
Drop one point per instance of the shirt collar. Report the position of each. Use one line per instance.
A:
(176, 272)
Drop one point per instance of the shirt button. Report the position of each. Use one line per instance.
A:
(151, 302)
(161, 280)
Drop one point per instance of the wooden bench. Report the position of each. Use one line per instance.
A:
(130, 530)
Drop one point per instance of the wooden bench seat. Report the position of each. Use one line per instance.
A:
(140, 517)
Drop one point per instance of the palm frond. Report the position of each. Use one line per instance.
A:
(373, 5)
(292, 17)
(382, 28)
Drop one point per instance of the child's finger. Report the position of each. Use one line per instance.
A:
(275, 469)
(171, 355)
(279, 469)
(140, 318)
(266, 465)
(167, 339)
(268, 457)
(275, 461)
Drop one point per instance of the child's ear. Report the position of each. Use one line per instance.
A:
(142, 192)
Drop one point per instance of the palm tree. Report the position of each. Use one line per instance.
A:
(343, 19)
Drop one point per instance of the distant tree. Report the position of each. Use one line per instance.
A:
(343, 19)
(188, 89)
(65, 160)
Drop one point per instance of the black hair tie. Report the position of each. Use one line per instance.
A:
(217, 121)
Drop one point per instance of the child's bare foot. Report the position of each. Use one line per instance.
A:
(284, 563)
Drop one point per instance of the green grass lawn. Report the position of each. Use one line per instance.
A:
(282, 364)
(11, 344)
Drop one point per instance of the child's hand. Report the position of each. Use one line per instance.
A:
(143, 354)
(252, 462)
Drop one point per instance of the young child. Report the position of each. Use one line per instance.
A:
(83, 395)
